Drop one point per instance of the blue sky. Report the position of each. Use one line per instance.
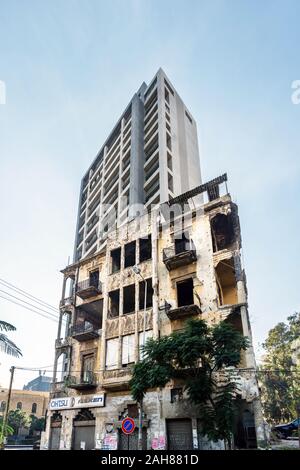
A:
(70, 68)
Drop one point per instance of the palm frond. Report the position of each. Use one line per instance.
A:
(4, 326)
(8, 347)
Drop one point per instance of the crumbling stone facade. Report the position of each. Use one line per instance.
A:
(190, 265)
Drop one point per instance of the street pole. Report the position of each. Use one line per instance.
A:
(12, 371)
(140, 435)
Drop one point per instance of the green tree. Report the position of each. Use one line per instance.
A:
(279, 376)
(18, 419)
(6, 345)
(4, 431)
(199, 356)
(36, 424)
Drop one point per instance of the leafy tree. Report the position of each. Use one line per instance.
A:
(200, 356)
(36, 424)
(6, 345)
(4, 431)
(18, 419)
(279, 376)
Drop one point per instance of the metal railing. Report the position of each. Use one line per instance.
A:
(87, 283)
(85, 327)
(181, 246)
(87, 377)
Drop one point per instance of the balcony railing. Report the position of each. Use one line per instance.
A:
(179, 254)
(85, 331)
(86, 381)
(183, 312)
(88, 288)
(117, 379)
(62, 343)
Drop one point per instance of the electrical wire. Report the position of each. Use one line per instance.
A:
(27, 294)
(30, 304)
(27, 308)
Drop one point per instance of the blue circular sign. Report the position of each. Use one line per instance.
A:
(128, 426)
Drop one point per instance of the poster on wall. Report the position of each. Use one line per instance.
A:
(110, 442)
(158, 443)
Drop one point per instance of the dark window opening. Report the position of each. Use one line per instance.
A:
(167, 96)
(3, 406)
(176, 395)
(182, 243)
(168, 139)
(115, 260)
(132, 411)
(114, 302)
(19, 405)
(33, 408)
(145, 248)
(129, 299)
(142, 294)
(222, 232)
(94, 278)
(129, 254)
(88, 316)
(185, 294)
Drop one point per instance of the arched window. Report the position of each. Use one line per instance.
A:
(3, 406)
(19, 405)
(33, 408)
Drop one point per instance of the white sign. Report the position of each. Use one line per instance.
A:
(84, 401)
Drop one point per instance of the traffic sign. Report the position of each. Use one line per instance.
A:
(128, 426)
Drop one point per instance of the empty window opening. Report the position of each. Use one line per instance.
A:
(129, 254)
(145, 248)
(94, 278)
(182, 242)
(149, 294)
(115, 260)
(226, 281)
(129, 299)
(185, 294)
(176, 394)
(89, 316)
(114, 302)
(87, 368)
(189, 117)
(222, 232)
(19, 405)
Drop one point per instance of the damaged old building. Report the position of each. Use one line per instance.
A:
(152, 274)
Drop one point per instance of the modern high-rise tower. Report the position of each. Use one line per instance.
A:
(150, 156)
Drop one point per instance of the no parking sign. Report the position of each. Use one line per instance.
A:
(128, 426)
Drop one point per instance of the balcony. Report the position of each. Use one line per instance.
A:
(117, 379)
(88, 288)
(87, 381)
(63, 343)
(183, 312)
(85, 331)
(182, 253)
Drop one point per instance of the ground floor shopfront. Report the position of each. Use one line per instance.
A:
(90, 422)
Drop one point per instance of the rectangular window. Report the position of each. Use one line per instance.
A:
(129, 299)
(168, 139)
(169, 87)
(115, 260)
(169, 161)
(148, 334)
(145, 248)
(114, 302)
(129, 254)
(170, 182)
(94, 278)
(185, 294)
(149, 301)
(128, 355)
(167, 96)
(87, 368)
(111, 361)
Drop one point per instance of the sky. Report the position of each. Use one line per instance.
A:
(71, 67)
